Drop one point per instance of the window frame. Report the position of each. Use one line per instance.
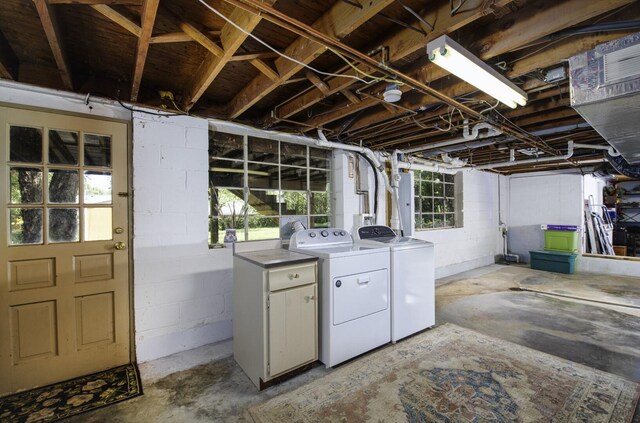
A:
(418, 199)
(246, 216)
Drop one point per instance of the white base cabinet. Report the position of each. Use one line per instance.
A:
(275, 318)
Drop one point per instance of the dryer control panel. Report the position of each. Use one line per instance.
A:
(375, 231)
(320, 238)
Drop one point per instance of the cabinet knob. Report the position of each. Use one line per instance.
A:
(309, 298)
(293, 276)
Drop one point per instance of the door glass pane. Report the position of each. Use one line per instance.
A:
(25, 145)
(97, 187)
(63, 225)
(97, 224)
(64, 186)
(263, 202)
(294, 203)
(262, 150)
(293, 154)
(319, 203)
(63, 147)
(25, 226)
(97, 150)
(293, 178)
(263, 176)
(25, 185)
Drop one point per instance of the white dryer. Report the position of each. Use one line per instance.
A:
(412, 279)
(353, 293)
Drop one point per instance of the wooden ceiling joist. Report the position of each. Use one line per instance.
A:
(9, 64)
(92, 2)
(118, 18)
(527, 26)
(399, 45)
(201, 38)
(148, 18)
(231, 39)
(177, 37)
(340, 20)
(264, 68)
(50, 26)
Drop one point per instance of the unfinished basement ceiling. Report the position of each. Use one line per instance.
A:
(134, 49)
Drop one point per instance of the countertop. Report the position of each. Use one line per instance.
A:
(275, 257)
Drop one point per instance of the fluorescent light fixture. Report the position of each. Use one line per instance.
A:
(448, 54)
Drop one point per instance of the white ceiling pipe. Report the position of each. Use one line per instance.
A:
(528, 161)
(467, 135)
(428, 168)
(612, 151)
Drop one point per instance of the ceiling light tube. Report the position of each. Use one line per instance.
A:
(448, 54)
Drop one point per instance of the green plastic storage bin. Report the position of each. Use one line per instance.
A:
(553, 261)
(565, 241)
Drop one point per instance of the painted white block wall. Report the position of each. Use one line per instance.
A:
(536, 199)
(182, 289)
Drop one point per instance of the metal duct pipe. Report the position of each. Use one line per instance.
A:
(467, 135)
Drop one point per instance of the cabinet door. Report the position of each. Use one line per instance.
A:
(292, 328)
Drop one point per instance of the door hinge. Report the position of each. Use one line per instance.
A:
(268, 368)
(268, 303)
(123, 194)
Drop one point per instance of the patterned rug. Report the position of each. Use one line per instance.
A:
(451, 374)
(75, 396)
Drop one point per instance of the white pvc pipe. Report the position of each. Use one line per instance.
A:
(527, 161)
(467, 135)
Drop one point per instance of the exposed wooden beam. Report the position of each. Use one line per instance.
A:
(199, 37)
(528, 25)
(50, 27)
(340, 20)
(178, 37)
(148, 18)
(231, 39)
(351, 96)
(92, 2)
(116, 17)
(251, 56)
(9, 64)
(399, 45)
(264, 68)
(315, 80)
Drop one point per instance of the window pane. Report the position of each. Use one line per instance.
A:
(219, 227)
(418, 219)
(63, 147)
(25, 226)
(449, 190)
(63, 225)
(263, 176)
(320, 158)
(416, 204)
(438, 205)
(449, 205)
(262, 150)
(97, 150)
(264, 228)
(225, 145)
(25, 144)
(427, 221)
(427, 176)
(319, 203)
(294, 203)
(64, 186)
(451, 220)
(293, 154)
(293, 178)
(438, 190)
(226, 173)
(97, 224)
(427, 205)
(427, 189)
(438, 220)
(448, 178)
(97, 187)
(228, 204)
(319, 180)
(25, 185)
(264, 202)
(320, 222)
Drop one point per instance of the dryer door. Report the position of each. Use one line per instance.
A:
(359, 295)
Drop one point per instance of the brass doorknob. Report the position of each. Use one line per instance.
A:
(120, 245)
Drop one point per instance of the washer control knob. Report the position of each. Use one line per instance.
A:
(338, 283)
(324, 233)
(336, 233)
(312, 234)
(342, 233)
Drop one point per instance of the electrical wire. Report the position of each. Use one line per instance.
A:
(132, 108)
(374, 78)
(239, 28)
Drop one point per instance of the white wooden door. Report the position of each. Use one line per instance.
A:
(64, 263)
(292, 328)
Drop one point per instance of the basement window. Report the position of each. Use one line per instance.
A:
(435, 201)
(254, 182)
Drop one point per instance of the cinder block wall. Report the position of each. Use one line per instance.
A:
(182, 289)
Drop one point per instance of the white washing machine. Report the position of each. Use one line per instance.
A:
(412, 279)
(354, 292)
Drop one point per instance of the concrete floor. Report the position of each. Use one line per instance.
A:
(205, 384)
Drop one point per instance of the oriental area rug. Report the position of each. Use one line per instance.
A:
(451, 374)
(65, 399)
